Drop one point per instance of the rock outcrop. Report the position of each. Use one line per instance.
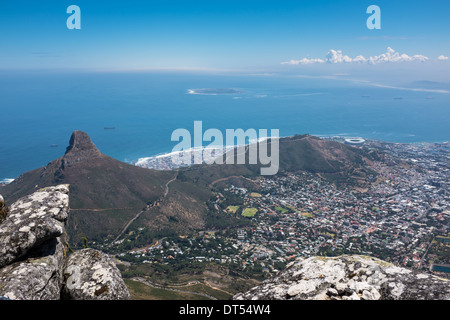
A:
(104, 191)
(33, 220)
(33, 253)
(80, 148)
(348, 278)
(92, 275)
(39, 277)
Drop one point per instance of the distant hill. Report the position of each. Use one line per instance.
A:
(109, 198)
(334, 161)
(104, 193)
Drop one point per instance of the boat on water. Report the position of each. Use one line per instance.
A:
(109, 128)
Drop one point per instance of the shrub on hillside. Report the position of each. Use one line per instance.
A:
(4, 210)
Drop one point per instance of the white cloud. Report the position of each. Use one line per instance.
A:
(304, 61)
(336, 56)
(442, 58)
(360, 59)
(392, 56)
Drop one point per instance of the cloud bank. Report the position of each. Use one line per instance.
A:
(390, 56)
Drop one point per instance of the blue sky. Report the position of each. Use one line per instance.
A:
(214, 35)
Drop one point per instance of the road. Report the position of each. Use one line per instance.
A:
(425, 254)
(166, 192)
(230, 177)
(148, 283)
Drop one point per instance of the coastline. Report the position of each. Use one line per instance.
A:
(156, 161)
(162, 161)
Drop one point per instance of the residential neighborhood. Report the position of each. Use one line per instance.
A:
(402, 217)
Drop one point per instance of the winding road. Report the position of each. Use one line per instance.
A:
(166, 192)
(167, 185)
(148, 283)
(230, 177)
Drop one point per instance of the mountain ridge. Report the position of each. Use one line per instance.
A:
(114, 190)
(107, 194)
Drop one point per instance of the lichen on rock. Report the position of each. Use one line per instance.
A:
(37, 278)
(348, 278)
(33, 254)
(32, 220)
(92, 275)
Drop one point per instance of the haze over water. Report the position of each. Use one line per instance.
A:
(40, 110)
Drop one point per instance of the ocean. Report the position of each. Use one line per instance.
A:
(132, 115)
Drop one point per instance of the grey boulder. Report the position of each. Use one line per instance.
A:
(92, 275)
(39, 277)
(348, 278)
(33, 255)
(33, 220)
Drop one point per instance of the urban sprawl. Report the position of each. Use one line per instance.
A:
(401, 217)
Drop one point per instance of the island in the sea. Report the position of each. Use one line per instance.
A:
(210, 91)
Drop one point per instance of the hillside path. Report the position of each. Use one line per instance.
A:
(166, 192)
(148, 283)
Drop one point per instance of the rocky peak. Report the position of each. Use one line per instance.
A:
(80, 141)
(348, 278)
(80, 148)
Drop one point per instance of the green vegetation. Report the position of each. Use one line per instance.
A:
(85, 242)
(439, 251)
(249, 212)
(69, 248)
(104, 201)
(181, 278)
(442, 239)
(141, 291)
(140, 238)
(173, 264)
(281, 210)
(307, 214)
(4, 210)
(231, 199)
(255, 195)
(232, 209)
(222, 221)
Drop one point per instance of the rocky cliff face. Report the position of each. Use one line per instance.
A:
(34, 258)
(80, 148)
(348, 278)
(104, 192)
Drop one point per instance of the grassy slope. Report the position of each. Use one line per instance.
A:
(121, 190)
(332, 160)
(104, 193)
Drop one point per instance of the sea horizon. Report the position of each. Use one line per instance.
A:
(130, 116)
